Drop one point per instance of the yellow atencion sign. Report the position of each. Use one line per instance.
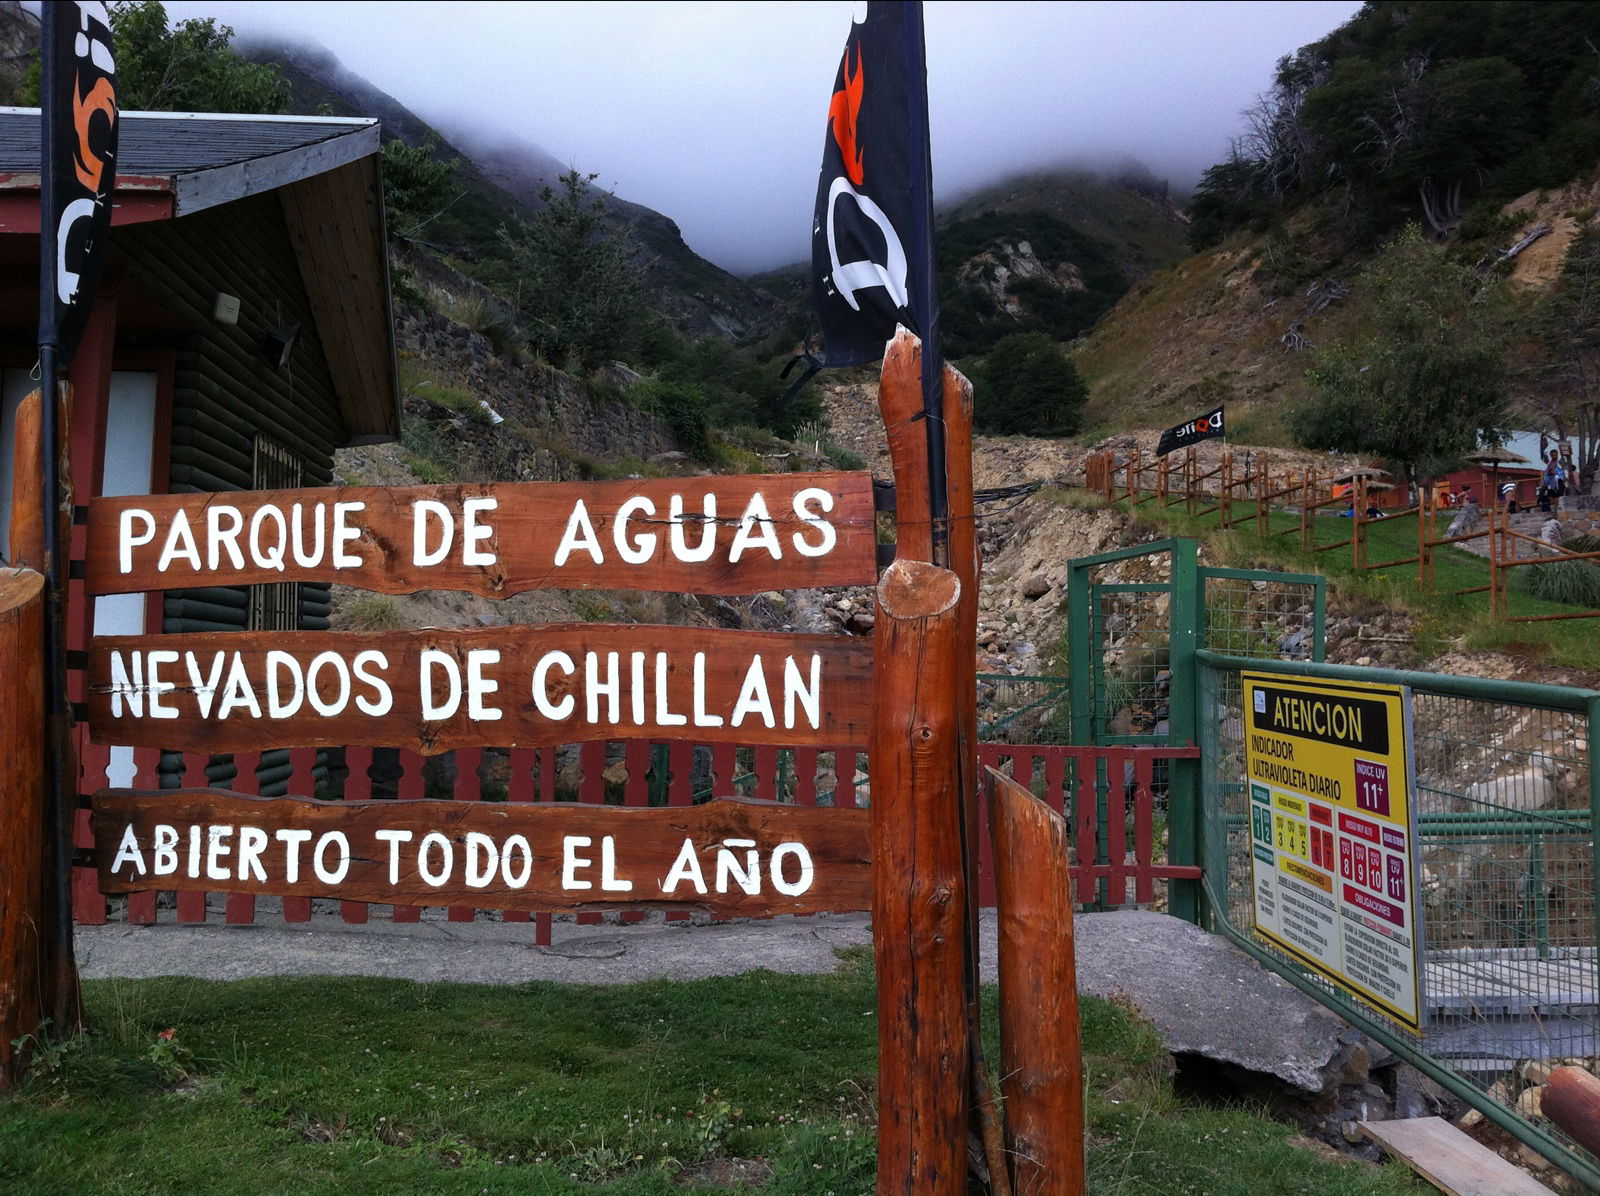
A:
(1333, 835)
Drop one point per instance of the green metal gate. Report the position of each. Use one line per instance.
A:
(1506, 796)
(1135, 618)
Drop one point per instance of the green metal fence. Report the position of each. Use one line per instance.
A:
(1506, 805)
(1023, 709)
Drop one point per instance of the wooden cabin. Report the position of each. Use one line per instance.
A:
(241, 334)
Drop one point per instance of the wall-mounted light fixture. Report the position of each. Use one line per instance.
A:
(225, 309)
(279, 343)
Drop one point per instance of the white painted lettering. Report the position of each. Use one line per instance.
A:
(685, 868)
(216, 849)
(319, 858)
(127, 688)
(480, 687)
(755, 530)
(790, 888)
(827, 536)
(579, 534)
(608, 868)
(571, 861)
(555, 711)
(128, 540)
(796, 691)
(157, 687)
(163, 850)
(708, 529)
(472, 532)
(279, 663)
(447, 856)
(128, 852)
(482, 860)
(516, 845)
(382, 699)
(237, 691)
(431, 661)
(180, 544)
(698, 688)
(291, 840)
(747, 877)
(269, 554)
(665, 717)
(204, 688)
(421, 511)
(218, 537)
(307, 556)
(343, 534)
(252, 842)
(644, 545)
(753, 697)
(594, 688)
(393, 839)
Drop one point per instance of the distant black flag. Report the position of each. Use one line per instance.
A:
(872, 232)
(78, 86)
(1201, 427)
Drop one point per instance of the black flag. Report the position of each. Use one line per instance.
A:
(871, 235)
(1192, 431)
(78, 83)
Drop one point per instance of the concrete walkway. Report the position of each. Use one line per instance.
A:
(1205, 996)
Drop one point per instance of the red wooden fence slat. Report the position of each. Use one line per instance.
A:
(192, 906)
(680, 792)
(357, 787)
(301, 762)
(1116, 845)
(804, 763)
(1022, 766)
(591, 788)
(724, 767)
(467, 787)
(408, 788)
(547, 774)
(239, 909)
(519, 788)
(1084, 838)
(636, 793)
(141, 906)
(764, 763)
(1144, 889)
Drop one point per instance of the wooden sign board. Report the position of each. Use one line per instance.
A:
(717, 535)
(731, 856)
(435, 690)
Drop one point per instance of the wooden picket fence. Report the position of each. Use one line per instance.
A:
(1110, 797)
(1245, 495)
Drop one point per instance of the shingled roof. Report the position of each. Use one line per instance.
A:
(202, 158)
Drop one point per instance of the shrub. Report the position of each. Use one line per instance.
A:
(683, 408)
(1571, 583)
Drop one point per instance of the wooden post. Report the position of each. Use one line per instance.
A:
(58, 970)
(919, 885)
(1358, 523)
(1225, 487)
(1041, 1058)
(1189, 479)
(24, 924)
(1572, 1100)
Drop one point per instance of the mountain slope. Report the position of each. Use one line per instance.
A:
(500, 184)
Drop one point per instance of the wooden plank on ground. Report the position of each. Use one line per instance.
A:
(1450, 1160)
(711, 535)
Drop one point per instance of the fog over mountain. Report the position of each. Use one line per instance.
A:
(714, 113)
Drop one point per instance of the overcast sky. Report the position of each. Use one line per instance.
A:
(713, 113)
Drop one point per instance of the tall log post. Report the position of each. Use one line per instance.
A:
(59, 798)
(1041, 1059)
(919, 890)
(24, 922)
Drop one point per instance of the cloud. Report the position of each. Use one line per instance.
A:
(714, 113)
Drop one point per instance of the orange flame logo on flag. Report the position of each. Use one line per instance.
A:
(842, 117)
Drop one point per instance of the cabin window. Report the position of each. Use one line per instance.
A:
(275, 607)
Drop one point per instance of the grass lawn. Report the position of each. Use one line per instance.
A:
(362, 1085)
(1442, 614)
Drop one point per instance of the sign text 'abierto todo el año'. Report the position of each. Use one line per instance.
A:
(731, 856)
(722, 535)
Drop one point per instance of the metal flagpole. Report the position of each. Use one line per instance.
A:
(924, 288)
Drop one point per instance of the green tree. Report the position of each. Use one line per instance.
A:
(1567, 371)
(187, 67)
(417, 184)
(1025, 384)
(1426, 385)
(577, 276)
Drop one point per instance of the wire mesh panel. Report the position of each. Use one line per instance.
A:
(1023, 709)
(1505, 819)
(1267, 616)
(1131, 674)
